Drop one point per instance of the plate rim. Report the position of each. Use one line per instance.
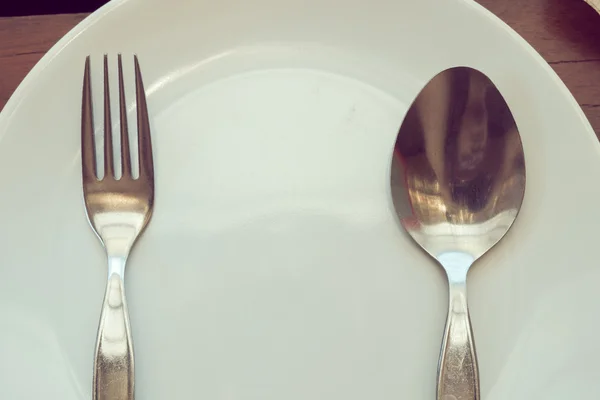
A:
(21, 90)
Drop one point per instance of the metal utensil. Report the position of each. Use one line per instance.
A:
(118, 211)
(458, 182)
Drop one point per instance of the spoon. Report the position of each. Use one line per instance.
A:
(458, 182)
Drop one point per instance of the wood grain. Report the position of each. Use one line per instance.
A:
(23, 41)
(565, 32)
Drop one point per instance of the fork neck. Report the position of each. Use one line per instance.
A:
(116, 266)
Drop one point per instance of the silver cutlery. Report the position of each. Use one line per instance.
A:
(458, 182)
(118, 211)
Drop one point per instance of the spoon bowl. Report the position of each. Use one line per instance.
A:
(458, 182)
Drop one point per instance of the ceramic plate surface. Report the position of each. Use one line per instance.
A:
(274, 266)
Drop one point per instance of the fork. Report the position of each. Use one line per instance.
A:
(118, 211)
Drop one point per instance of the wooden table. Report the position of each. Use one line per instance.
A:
(565, 32)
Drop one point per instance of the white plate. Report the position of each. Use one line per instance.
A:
(274, 267)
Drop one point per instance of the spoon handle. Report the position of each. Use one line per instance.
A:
(458, 375)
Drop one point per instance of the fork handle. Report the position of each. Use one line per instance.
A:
(113, 365)
(458, 375)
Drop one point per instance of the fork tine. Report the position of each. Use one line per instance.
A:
(88, 148)
(143, 123)
(125, 152)
(109, 170)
